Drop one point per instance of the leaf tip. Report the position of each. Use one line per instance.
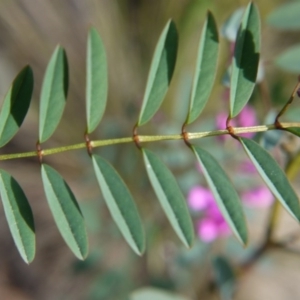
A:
(27, 68)
(209, 13)
(190, 244)
(85, 253)
(140, 252)
(244, 241)
(28, 261)
(172, 25)
(82, 256)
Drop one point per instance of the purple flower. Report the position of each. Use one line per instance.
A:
(258, 197)
(247, 167)
(221, 124)
(209, 229)
(199, 198)
(246, 118)
(213, 224)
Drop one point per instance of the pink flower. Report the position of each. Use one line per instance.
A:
(199, 198)
(209, 229)
(221, 123)
(213, 225)
(247, 167)
(258, 197)
(246, 118)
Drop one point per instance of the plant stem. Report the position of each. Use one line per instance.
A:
(291, 171)
(147, 139)
(285, 107)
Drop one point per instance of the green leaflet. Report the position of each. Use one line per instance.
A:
(245, 61)
(18, 215)
(286, 16)
(161, 71)
(65, 211)
(224, 276)
(15, 105)
(273, 176)
(53, 94)
(294, 130)
(170, 197)
(224, 193)
(151, 293)
(120, 204)
(289, 60)
(96, 81)
(205, 68)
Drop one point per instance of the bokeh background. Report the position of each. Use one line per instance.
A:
(29, 32)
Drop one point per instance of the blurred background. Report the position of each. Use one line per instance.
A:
(29, 32)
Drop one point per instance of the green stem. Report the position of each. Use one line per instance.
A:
(285, 107)
(291, 171)
(147, 139)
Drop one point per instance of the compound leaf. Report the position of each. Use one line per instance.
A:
(161, 71)
(170, 197)
(66, 211)
(19, 216)
(226, 196)
(120, 204)
(205, 68)
(15, 105)
(245, 60)
(273, 176)
(53, 94)
(96, 82)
